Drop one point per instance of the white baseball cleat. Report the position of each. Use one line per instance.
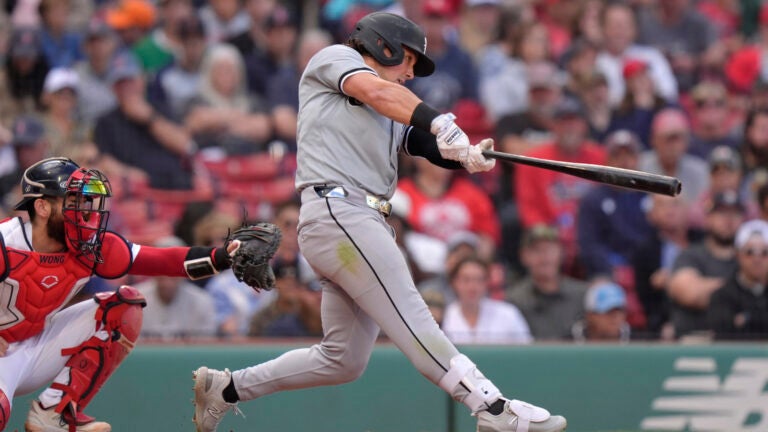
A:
(40, 419)
(519, 416)
(210, 406)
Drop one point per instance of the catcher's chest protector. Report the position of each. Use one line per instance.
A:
(37, 286)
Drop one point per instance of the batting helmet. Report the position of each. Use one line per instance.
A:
(380, 30)
(45, 178)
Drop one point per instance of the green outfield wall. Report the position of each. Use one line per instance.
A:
(598, 388)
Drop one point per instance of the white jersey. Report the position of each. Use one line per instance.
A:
(341, 141)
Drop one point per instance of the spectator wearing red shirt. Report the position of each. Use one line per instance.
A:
(550, 197)
(440, 205)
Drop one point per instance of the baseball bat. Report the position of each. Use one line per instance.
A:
(630, 179)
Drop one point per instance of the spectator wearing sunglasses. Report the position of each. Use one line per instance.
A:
(711, 121)
(739, 310)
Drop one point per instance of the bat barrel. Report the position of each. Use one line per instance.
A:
(631, 179)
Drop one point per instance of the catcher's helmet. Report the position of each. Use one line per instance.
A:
(380, 30)
(45, 178)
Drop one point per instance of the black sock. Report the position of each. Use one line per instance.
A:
(497, 407)
(229, 393)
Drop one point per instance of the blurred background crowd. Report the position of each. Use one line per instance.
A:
(189, 107)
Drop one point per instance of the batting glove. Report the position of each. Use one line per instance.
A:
(475, 161)
(452, 142)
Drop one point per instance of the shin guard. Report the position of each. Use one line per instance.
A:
(466, 384)
(5, 410)
(119, 319)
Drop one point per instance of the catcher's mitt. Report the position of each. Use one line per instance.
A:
(250, 261)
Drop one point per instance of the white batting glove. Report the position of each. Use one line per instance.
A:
(476, 162)
(452, 142)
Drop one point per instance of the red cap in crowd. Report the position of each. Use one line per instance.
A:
(632, 67)
(437, 8)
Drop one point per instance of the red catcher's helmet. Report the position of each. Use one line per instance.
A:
(85, 212)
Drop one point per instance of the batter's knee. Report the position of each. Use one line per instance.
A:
(347, 366)
(5, 410)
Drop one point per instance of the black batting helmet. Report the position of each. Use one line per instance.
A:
(45, 178)
(380, 30)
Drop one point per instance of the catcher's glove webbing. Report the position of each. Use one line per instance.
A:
(250, 261)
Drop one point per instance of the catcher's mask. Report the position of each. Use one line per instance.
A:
(85, 213)
(379, 30)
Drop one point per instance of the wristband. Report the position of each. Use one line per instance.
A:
(422, 117)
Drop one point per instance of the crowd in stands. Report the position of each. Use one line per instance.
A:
(190, 108)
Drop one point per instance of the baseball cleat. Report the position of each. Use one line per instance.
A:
(210, 406)
(519, 416)
(48, 420)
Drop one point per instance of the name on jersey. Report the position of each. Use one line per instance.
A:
(52, 259)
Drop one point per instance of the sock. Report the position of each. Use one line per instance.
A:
(497, 407)
(229, 393)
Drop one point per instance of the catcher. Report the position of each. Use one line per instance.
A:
(44, 262)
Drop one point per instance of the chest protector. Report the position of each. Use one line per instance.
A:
(34, 286)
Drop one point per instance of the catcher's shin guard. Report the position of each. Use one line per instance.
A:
(119, 316)
(5, 410)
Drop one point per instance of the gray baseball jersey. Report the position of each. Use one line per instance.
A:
(366, 282)
(341, 141)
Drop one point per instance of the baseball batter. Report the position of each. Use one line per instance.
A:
(355, 116)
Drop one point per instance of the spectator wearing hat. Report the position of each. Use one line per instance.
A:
(61, 47)
(158, 48)
(522, 132)
(641, 101)
(593, 93)
(131, 19)
(620, 34)
(437, 259)
(473, 318)
(670, 139)
(605, 319)
(29, 146)
(725, 173)
(654, 259)
(222, 116)
(455, 78)
(223, 19)
(550, 301)
(66, 134)
(25, 71)
(177, 84)
(94, 93)
(681, 33)
(552, 198)
(139, 141)
(712, 123)
(703, 267)
(262, 65)
(746, 66)
(739, 310)
(612, 224)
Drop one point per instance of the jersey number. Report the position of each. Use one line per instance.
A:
(9, 314)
